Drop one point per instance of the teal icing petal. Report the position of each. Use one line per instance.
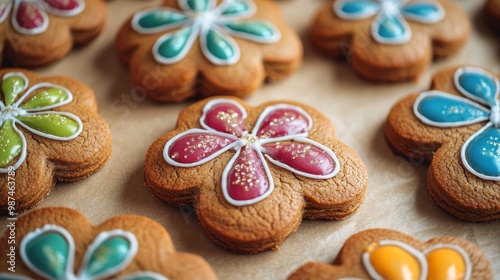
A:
(107, 257)
(157, 20)
(219, 48)
(235, 8)
(197, 5)
(173, 47)
(446, 110)
(481, 153)
(425, 12)
(390, 29)
(254, 30)
(356, 9)
(478, 85)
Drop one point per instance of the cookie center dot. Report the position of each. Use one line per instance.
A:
(205, 17)
(495, 116)
(11, 112)
(390, 6)
(248, 139)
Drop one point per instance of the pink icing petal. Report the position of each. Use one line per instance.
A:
(64, 5)
(282, 121)
(247, 178)
(225, 117)
(199, 147)
(301, 158)
(29, 15)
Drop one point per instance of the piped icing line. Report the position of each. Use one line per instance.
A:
(457, 249)
(468, 69)
(279, 134)
(65, 13)
(144, 274)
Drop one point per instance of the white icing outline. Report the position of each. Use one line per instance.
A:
(141, 30)
(13, 276)
(338, 5)
(263, 40)
(30, 31)
(7, 7)
(436, 18)
(412, 251)
(150, 274)
(47, 229)
(391, 41)
(225, 35)
(185, 50)
(431, 93)
(170, 142)
(464, 157)
(44, 85)
(26, 83)
(64, 13)
(185, 6)
(212, 103)
(219, 10)
(460, 250)
(328, 151)
(263, 115)
(470, 69)
(22, 156)
(102, 237)
(50, 136)
(256, 147)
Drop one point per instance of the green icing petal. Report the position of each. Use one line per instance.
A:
(46, 98)
(253, 29)
(198, 5)
(11, 87)
(173, 46)
(49, 253)
(11, 143)
(235, 8)
(108, 256)
(52, 124)
(219, 47)
(158, 18)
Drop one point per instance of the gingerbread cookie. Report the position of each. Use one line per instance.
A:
(252, 174)
(186, 48)
(388, 254)
(492, 14)
(455, 125)
(390, 40)
(49, 130)
(60, 243)
(38, 32)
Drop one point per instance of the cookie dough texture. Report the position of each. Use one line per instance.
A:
(49, 161)
(449, 184)
(195, 76)
(155, 253)
(266, 224)
(337, 38)
(349, 261)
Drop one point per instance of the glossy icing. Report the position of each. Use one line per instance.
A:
(389, 25)
(479, 154)
(30, 108)
(213, 23)
(280, 135)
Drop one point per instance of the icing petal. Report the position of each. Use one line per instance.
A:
(254, 30)
(173, 47)
(481, 153)
(197, 5)
(447, 262)
(49, 252)
(282, 120)
(29, 17)
(5, 7)
(12, 85)
(144, 275)
(50, 96)
(389, 28)
(355, 9)
(441, 109)
(196, 146)
(52, 125)
(218, 47)
(225, 116)
(423, 11)
(306, 158)
(477, 84)
(65, 8)
(109, 253)
(246, 179)
(236, 9)
(157, 20)
(12, 144)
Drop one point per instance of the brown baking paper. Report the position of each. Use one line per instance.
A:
(396, 197)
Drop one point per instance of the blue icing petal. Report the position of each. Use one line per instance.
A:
(160, 18)
(442, 109)
(479, 86)
(198, 5)
(235, 8)
(423, 12)
(390, 28)
(483, 152)
(359, 8)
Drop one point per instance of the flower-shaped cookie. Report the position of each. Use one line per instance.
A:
(388, 254)
(253, 174)
(37, 32)
(207, 47)
(49, 129)
(451, 126)
(390, 40)
(61, 244)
